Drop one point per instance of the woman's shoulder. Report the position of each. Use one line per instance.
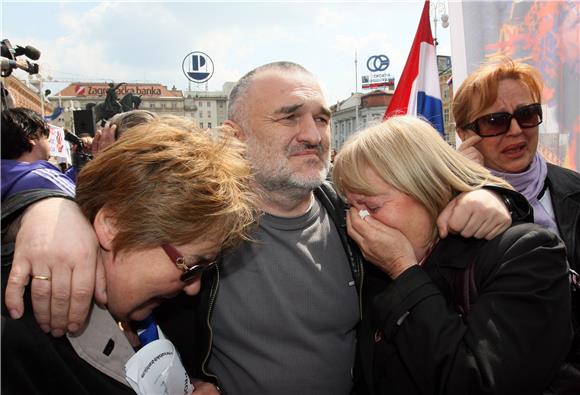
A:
(540, 248)
(522, 240)
(522, 236)
(563, 178)
(527, 230)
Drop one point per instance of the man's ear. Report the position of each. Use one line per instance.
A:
(237, 129)
(105, 228)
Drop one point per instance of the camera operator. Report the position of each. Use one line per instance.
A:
(25, 153)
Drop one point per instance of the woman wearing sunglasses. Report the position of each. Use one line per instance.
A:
(163, 202)
(498, 112)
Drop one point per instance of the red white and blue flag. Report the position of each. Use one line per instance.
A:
(418, 91)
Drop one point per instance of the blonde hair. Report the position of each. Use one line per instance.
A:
(164, 184)
(408, 154)
(479, 90)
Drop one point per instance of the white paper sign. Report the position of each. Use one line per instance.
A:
(157, 370)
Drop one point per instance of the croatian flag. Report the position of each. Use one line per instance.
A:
(418, 91)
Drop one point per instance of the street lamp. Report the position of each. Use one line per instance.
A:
(439, 8)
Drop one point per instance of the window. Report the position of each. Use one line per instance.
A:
(151, 105)
(209, 114)
(201, 125)
(446, 115)
(209, 125)
(221, 104)
(209, 104)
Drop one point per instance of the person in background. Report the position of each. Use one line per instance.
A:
(498, 109)
(25, 154)
(126, 120)
(87, 147)
(458, 315)
(163, 203)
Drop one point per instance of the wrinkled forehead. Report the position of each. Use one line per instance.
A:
(277, 86)
(506, 90)
(355, 176)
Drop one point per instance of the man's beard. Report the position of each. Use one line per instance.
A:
(272, 172)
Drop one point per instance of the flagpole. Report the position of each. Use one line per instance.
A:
(356, 91)
(355, 73)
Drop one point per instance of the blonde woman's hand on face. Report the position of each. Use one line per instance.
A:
(384, 246)
(467, 149)
(481, 214)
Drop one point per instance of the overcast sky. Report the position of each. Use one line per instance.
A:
(147, 41)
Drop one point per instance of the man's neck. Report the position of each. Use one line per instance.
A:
(282, 204)
(28, 157)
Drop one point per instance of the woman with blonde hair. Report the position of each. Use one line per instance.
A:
(454, 315)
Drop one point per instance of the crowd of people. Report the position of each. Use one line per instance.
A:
(416, 269)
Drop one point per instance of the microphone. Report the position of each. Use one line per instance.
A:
(30, 52)
(73, 138)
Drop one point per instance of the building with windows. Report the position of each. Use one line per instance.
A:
(210, 108)
(24, 94)
(154, 97)
(446, 86)
(359, 111)
(160, 100)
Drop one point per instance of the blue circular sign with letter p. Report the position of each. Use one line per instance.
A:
(197, 67)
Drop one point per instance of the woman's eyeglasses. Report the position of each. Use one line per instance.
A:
(191, 266)
(498, 123)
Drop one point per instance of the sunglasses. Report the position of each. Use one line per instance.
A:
(190, 266)
(498, 123)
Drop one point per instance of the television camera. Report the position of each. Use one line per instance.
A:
(81, 156)
(10, 61)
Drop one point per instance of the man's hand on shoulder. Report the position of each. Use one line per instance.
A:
(56, 243)
(481, 214)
